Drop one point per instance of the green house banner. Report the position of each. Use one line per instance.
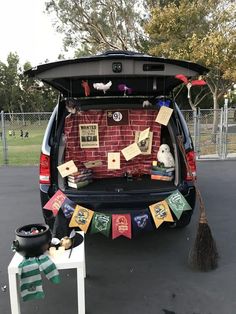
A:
(101, 223)
(178, 203)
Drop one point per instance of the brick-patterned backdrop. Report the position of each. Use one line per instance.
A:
(111, 139)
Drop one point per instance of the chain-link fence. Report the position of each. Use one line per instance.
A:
(21, 134)
(21, 137)
(213, 132)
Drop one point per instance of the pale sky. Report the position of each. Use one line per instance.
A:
(25, 29)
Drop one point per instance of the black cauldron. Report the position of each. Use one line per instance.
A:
(31, 244)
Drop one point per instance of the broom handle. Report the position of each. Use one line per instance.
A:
(203, 218)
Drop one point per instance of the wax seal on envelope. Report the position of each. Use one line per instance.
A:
(67, 168)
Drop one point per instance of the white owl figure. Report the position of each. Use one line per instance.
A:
(164, 155)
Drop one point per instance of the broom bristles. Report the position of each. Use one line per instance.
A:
(204, 255)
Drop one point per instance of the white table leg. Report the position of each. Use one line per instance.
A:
(80, 291)
(84, 265)
(14, 296)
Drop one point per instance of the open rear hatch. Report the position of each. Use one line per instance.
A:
(107, 101)
(147, 76)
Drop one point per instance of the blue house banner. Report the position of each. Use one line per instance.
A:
(141, 222)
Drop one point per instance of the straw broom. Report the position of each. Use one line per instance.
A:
(203, 256)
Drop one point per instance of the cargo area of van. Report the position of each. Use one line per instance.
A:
(95, 140)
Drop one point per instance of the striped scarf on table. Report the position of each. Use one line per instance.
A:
(30, 276)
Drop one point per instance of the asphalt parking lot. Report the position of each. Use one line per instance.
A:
(146, 275)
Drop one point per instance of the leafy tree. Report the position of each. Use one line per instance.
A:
(91, 26)
(10, 83)
(200, 31)
(36, 96)
(18, 93)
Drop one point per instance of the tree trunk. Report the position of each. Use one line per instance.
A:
(23, 116)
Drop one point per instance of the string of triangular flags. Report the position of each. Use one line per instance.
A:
(121, 224)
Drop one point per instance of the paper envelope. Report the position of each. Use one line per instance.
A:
(113, 161)
(164, 115)
(67, 168)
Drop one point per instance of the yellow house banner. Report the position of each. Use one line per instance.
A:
(81, 218)
(161, 212)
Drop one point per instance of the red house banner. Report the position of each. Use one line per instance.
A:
(121, 226)
(55, 202)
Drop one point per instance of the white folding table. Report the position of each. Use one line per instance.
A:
(62, 261)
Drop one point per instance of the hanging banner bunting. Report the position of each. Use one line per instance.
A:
(55, 202)
(121, 226)
(68, 207)
(161, 212)
(141, 222)
(81, 218)
(101, 223)
(178, 203)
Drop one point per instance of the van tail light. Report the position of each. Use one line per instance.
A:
(44, 169)
(191, 160)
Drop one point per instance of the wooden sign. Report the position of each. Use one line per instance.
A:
(67, 168)
(164, 115)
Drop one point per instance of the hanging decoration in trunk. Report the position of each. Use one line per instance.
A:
(86, 88)
(125, 89)
(164, 115)
(102, 86)
(190, 83)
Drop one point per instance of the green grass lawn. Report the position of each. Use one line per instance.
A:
(24, 151)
